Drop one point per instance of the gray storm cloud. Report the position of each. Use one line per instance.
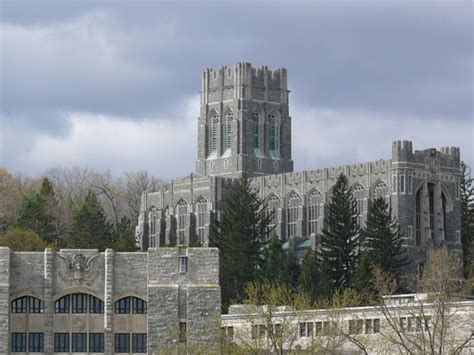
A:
(140, 62)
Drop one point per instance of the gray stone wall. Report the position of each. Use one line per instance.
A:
(153, 276)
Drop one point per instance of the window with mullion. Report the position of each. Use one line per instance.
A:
(122, 343)
(139, 343)
(36, 305)
(20, 305)
(35, 342)
(79, 342)
(62, 305)
(61, 342)
(18, 342)
(122, 306)
(96, 342)
(138, 306)
(96, 305)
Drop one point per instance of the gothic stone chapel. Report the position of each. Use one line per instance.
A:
(245, 127)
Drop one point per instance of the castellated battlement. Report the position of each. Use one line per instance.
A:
(244, 82)
(402, 151)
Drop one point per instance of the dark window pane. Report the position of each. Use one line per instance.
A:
(61, 342)
(18, 342)
(79, 342)
(96, 342)
(79, 303)
(122, 306)
(36, 305)
(95, 305)
(139, 343)
(36, 342)
(182, 332)
(138, 305)
(20, 305)
(62, 305)
(122, 343)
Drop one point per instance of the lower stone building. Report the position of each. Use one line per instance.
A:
(83, 301)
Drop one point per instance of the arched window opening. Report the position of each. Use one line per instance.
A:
(443, 200)
(272, 208)
(152, 219)
(432, 215)
(228, 133)
(27, 304)
(201, 210)
(294, 202)
(359, 195)
(182, 212)
(256, 135)
(134, 304)
(418, 217)
(381, 190)
(314, 211)
(214, 132)
(272, 133)
(79, 303)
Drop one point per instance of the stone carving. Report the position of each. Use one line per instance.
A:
(79, 269)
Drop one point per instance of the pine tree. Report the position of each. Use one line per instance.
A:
(36, 213)
(90, 228)
(383, 238)
(467, 216)
(239, 236)
(279, 266)
(340, 238)
(363, 277)
(310, 279)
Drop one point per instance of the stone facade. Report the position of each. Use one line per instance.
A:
(80, 294)
(245, 127)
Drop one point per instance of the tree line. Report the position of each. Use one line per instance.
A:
(71, 208)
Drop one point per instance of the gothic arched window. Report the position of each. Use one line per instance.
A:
(359, 195)
(294, 201)
(418, 217)
(272, 205)
(256, 130)
(27, 304)
(272, 136)
(228, 131)
(182, 211)
(314, 211)
(214, 132)
(134, 304)
(201, 210)
(152, 220)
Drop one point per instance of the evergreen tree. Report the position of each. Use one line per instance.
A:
(124, 236)
(36, 213)
(383, 238)
(310, 279)
(363, 277)
(340, 238)
(194, 241)
(90, 228)
(172, 240)
(279, 266)
(239, 236)
(467, 216)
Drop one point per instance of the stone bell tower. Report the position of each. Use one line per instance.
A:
(244, 124)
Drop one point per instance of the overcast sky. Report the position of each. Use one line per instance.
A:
(114, 84)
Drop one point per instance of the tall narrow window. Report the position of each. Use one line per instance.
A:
(272, 208)
(36, 305)
(314, 203)
(443, 200)
(122, 343)
(183, 264)
(402, 181)
(214, 133)
(95, 305)
(201, 209)
(139, 343)
(79, 342)
(418, 217)
(96, 342)
(432, 215)
(20, 305)
(272, 133)
(61, 342)
(294, 202)
(256, 135)
(152, 227)
(18, 342)
(35, 342)
(139, 306)
(359, 195)
(228, 132)
(182, 210)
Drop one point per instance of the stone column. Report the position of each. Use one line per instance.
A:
(4, 300)
(109, 302)
(48, 301)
